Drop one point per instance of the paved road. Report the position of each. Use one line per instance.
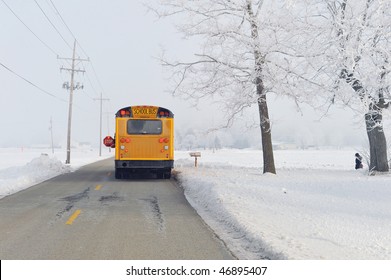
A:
(88, 214)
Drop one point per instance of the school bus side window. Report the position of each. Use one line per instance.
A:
(144, 127)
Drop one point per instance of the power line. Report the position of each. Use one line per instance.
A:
(52, 24)
(96, 76)
(46, 45)
(66, 25)
(31, 83)
(92, 86)
(85, 53)
(63, 21)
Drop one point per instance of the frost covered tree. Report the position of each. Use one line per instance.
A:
(243, 56)
(333, 50)
(355, 38)
(363, 31)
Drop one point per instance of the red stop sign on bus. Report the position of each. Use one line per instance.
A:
(108, 141)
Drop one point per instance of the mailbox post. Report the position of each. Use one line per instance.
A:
(196, 155)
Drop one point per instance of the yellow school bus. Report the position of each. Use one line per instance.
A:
(143, 141)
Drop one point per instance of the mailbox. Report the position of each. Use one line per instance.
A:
(195, 155)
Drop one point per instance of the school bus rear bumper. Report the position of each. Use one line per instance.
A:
(144, 164)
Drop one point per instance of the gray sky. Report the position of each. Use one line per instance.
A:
(121, 40)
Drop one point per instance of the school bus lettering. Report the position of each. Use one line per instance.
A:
(144, 112)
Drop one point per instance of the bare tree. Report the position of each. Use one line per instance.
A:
(372, 44)
(243, 52)
(333, 50)
(357, 38)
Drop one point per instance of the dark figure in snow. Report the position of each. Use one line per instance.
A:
(358, 161)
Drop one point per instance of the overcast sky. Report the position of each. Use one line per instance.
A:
(121, 40)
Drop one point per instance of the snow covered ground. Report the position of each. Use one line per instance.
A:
(21, 168)
(316, 207)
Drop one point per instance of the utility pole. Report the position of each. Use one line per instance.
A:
(100, 130)
(51, 133)
(71, 87)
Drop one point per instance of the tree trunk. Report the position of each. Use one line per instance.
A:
(374, 124)
(377, 142)
(267, 146)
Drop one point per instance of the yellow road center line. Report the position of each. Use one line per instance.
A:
(98, 187)
(73, 217)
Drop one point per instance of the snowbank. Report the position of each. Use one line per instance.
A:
(312, 209)
(14, 179)
(22, 168)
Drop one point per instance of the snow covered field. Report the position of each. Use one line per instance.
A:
(316, 207)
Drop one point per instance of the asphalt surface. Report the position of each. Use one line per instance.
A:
(88, 214)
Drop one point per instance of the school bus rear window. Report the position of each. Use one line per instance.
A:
(144, 127)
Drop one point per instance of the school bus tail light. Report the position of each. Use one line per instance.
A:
(164, 140)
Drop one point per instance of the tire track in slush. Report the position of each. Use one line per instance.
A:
(156, 216)
(71, 200)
